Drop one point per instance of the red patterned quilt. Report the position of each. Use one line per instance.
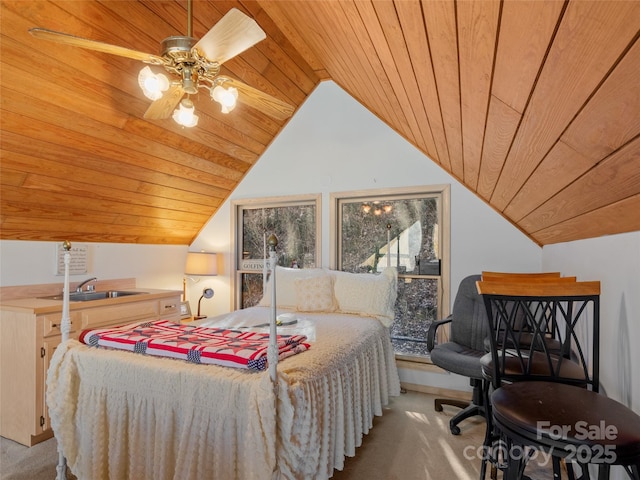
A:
(230, 348)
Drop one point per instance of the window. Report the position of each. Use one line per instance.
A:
(296, 223)
(407, 229)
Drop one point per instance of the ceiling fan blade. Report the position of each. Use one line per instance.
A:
(72, 40)
(165, 105)
(259, 100)
(232, 35)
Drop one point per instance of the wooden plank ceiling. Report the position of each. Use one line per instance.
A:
(533, 105)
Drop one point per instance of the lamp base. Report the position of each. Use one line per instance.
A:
(199, 317)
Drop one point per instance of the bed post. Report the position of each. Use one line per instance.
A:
(272, 351)
(265, 266)
(65, 328)
(389, 245)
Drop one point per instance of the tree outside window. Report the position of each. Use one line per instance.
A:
(403, 230)
(294, 221)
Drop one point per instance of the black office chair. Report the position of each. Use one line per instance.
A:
(462, 353)
(543, 368)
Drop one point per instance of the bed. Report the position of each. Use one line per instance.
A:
(118, 414)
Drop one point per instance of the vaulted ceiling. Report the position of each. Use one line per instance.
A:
(533, 105)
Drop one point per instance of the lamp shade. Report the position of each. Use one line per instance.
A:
(201, 263)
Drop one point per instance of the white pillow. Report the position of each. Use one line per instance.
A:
(315, 294)
(285, 286)
(367, 294)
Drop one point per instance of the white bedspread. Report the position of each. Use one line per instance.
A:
(122, 415)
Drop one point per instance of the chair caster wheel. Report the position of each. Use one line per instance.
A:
(454, 429)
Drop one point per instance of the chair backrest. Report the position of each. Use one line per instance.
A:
(469, 326)
(518, 275)
(543, 331)
(552, 277)
(545, 277)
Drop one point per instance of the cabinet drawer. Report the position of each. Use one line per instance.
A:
(169, 307)
(53, 321)
(119, 314)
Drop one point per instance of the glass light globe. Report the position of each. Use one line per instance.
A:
(153, 85)
(226, 97)
(184, 115)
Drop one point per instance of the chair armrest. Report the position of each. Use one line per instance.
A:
(431, 334)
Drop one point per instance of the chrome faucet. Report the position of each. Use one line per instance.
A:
(79, 287)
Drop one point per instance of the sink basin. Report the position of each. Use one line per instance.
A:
(88, 296)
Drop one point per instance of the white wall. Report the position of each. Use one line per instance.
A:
(615, 262)
(154, 266)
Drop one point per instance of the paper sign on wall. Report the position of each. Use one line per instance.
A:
(78, 262)
(251, 264)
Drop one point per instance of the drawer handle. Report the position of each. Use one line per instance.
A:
(55, 325)
(170, 306)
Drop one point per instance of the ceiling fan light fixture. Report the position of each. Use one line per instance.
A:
(226, 97)
(184, 115)
(153, 85)
(188, 85)
(191, 64)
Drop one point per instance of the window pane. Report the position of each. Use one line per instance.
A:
(292, 221)
(251, 289)
(408, 228)
(400, 230)
(295, 227)
(416, 309)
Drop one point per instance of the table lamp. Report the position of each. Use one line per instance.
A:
(199, 264)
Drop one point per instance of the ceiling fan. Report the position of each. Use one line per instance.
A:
(192, 65)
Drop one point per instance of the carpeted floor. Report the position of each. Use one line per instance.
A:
(18, 462)
(410, 441)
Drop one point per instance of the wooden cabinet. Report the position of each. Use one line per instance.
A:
(49, 346)
(28, 339)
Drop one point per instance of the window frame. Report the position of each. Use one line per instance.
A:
(239, 205)
(443, 193)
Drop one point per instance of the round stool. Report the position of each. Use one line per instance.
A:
(568, 422)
